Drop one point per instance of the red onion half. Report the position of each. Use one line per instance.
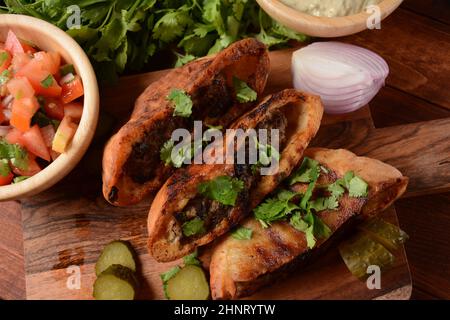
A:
(345, 76)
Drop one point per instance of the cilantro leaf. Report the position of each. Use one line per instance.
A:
(317, 229)
(5, 170)
(242, 233)
(223, 189)
(47, 82)
(4, 55)
(192, 259)
(14, 153)
(166, 276)
(66, 69)
(243, 92)
(275, 209)
(172, 24)
(358, 187)
(4, 77)
(320, 204)
(298, 223)
(182, 102)
(166, 152)
(306, 173)
(193, 227)
(183, 59)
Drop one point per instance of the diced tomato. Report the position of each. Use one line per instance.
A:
(36, 72)
(64, 135)
(32, 168)
(5, 59)
(74, 110)
(20, 60)
(27, 47)
(4, 181)
(54, 108)
(48, 134)
(51, 61)
(22, 112)
(34, 143)
(20, 88)
(15, 136)
(2, 115)
(72, 90)
(12, 43)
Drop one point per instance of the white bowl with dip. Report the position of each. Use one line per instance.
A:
(326, 18)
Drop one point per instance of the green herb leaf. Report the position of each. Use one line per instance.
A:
(298, 223)
(242, 233)
(320, 204)
(307, 172)
(47, 82)
(166, 276)
(20, 179)
(66, 69)
(358, 187)
(243, 92)
(5, 170)
(5, 76)
(183, 59)
(275, 209)
(14, 153)
(178, 158)
(193, 227)
(223, 189)
(4, 56)
(192, 259)
(182, 102)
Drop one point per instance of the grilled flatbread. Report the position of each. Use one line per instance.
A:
(296, 115)
(132, 167)
(239, 268)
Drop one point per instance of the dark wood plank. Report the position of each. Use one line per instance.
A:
(416, 49)
(392, 107)
(12, 268)
(427, 221)
(435, 9)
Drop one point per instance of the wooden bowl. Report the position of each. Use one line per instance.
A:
(50, 38)
(323, 26)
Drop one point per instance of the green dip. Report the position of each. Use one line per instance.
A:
(330, 8)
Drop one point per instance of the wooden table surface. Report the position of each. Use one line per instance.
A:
(415, 41)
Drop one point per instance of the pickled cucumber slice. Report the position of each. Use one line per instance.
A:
(115, 283)
(188, 283)
(116, 252)
(361, 251)
(384, 232)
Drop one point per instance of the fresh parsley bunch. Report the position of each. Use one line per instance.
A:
(123, 35)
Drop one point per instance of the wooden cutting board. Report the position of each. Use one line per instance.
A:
(69, 224)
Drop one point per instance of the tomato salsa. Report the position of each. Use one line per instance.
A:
(40, 108)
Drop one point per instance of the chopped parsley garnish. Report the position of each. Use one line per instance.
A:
(223, 189)
(193, 227)
(243, 92)
(182, 102)
(242, 233)
(47, 82)
(4, 77)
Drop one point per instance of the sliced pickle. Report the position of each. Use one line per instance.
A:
(361, 251)
(116, 252)
(384, 232)
(189, 283)
(115, 283)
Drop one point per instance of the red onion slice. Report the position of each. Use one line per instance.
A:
(345, 76)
